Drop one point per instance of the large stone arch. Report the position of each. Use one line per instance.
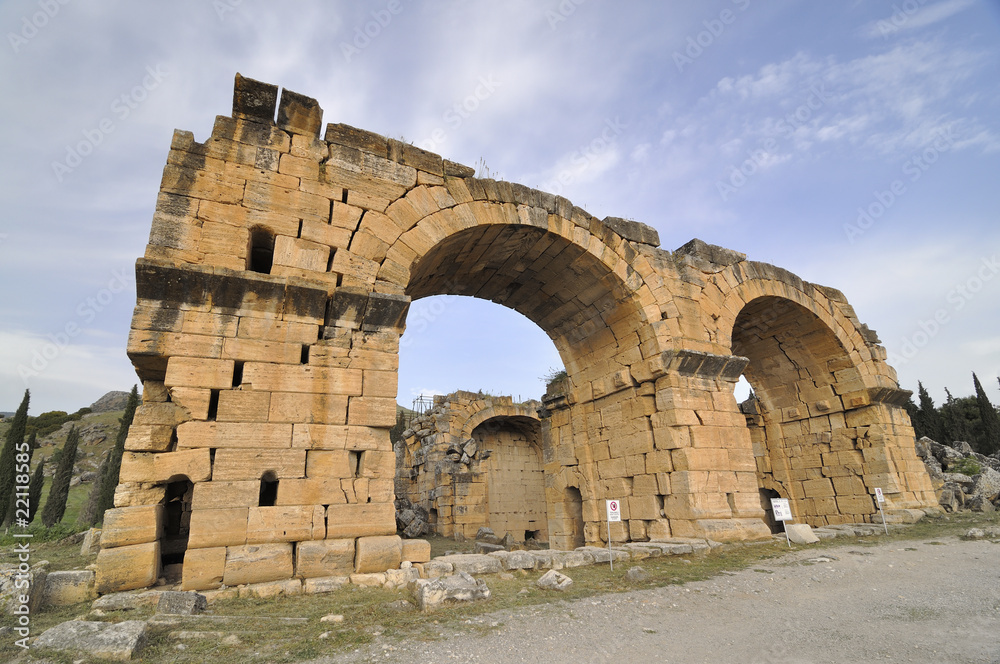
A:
(270, 303)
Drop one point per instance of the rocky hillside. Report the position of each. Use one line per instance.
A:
(963, 478)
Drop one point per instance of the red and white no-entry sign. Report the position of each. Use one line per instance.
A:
(614, 511)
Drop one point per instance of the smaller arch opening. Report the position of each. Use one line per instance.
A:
(268, 489)
(260, 254)
(176, 526)
(573, 501)
(765, 502)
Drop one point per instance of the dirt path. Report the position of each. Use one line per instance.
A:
(896, 602)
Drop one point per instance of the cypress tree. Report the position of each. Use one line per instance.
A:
(109, 478)
(15, 437)
(35, 489)
(990, 440)
(929, 417)
(55, 504)
(88, 515)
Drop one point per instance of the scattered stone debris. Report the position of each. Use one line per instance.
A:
(800, 533)
(979, 492)
(553, 580)
(637, 575)
(461, 587)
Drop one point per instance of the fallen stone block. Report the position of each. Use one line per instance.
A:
(12, 590)
(91, 545)
(287, 587)
(117, 641)
(372, 580)
(483, 547)
(127, 601)
(181, 603)
(800, 533)
(436, 568)
(553, 580)
(72, 587)
(461, 587)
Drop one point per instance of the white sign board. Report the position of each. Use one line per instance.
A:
(614, 511)
(879, 496)
(782, 510)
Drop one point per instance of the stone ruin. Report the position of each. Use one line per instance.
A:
(474, 461)
(270, 302)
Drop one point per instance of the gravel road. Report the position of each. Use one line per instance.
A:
(931, 601)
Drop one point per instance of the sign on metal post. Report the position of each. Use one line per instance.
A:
(782, 512)
(614, 514)
(879, 499)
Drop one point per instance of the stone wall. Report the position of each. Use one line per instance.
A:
(475, 461)
(270, 303)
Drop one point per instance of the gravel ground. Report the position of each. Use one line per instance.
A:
(930, 601)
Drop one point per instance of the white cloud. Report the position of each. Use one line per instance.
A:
(911, 16)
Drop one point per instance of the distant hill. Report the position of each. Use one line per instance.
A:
(110, 401)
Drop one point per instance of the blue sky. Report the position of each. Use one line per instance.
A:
(856, 144)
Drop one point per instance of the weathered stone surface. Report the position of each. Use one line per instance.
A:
(800, 533)
(553, 580)
(70, 587)
(416, 550)
(460, 587)
(203, 568)
(22, 592)
(257, 563)
(116, 641)
(91, 544)
(377, 554)
(181, 603)
(127, 567)
(325, 558)
(472, 563)
(324, 584)
(515, 559)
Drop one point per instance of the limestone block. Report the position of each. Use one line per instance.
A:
(153, 392)
(290, 523)
(324, 464)
(194, 400)
(132, 525)
(257, 563)
(131, 494)
(66, 588)
(219, 494)
(295, 252)
(268, 329)
(377, 554)
(318, 408)
(416, 550)
(700, 459)
(163, 414)
(203, 568)
(256, 350)
(643, 507)
(127, 567)
(336, 437)
(324, 558)
(371, 411)
(378, 465)
(324, 584)
(199, 372)
(302, 378)
(311, 491)
(218, 527)
(195, 465)
(106, 641)
(288, 588)
(360, 520)
(156, 438)
(800, 533)
(234, 434)
(249, 464)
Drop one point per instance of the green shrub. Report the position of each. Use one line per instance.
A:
(967, 466)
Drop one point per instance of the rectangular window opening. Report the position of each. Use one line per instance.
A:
(213, 405)
(237, 374)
